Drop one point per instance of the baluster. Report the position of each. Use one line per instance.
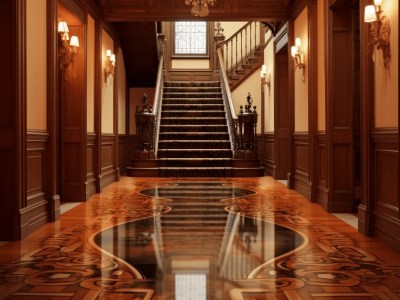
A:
(226, 58)
(251, 38)
(245, 43)
(255, 35)
(236, 38)
(241, 47)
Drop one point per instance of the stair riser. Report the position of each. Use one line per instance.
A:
(192, 90)
(192, 95)
(196, 173)
(192, 101)
(192, 84)
(202, 107)
(200, 121)
(193, 145)
(194, 163)
(193, 136)
(192, 114)
(194, 128)
(194, 154)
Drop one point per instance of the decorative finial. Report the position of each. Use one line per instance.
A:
(219, 29)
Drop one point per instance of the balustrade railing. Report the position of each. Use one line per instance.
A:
(240, 47)
(148, 117)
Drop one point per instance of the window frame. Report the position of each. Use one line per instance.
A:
(191, 55)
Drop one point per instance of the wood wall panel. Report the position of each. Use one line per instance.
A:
(269, 156)
(385, 159)
(321, 170)
(123, 153)
(35, 213)
(90, 164)
(108, 169)
(301, 164)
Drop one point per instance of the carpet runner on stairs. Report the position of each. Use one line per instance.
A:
(194, 138)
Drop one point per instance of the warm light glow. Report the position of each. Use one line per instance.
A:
(293, 51)
(298, 43)
(378, 2)
(108, 53)
(112, 58)
(63, 27)
(369, 14)
(199, 7)
(74, 41)
(264, 68)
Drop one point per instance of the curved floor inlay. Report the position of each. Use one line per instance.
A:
(230, 239)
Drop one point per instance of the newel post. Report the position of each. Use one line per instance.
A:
(247, 131)
(145, 121)
(218, 38)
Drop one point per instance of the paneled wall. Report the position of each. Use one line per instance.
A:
(301, 163)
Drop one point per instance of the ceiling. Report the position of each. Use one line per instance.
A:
(172, 10)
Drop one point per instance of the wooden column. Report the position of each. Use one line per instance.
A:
(12, 119)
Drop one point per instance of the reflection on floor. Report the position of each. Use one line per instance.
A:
(198, 239)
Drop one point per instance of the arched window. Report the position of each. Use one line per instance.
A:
(191, 39)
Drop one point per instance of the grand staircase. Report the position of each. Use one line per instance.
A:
(193, 138)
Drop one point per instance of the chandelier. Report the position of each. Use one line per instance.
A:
(199, 7)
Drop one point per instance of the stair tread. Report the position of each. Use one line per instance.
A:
(196, 158)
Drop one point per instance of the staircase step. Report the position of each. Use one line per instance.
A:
(191, 83)
(196, 172)
(192, 95)
(193, 121)
(193, 136)
(192, 89)
(192, 101)
(196, 162)
(194, 128)
(195, 153)
(199, 144)
(192, 113)
(192, 107)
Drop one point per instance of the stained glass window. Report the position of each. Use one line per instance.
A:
(190, 38)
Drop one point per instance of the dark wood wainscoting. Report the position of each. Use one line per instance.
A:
(90, 165)
(321, 170)
(123, 153)
(385, 176)
(35, 212)
(268, 160)
(108, 169)
(301, 182)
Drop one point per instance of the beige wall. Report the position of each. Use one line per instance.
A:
(121, 92)
(300, 81)
(190, 64)
(135, 99)
(269, 93)
(321, 66)
(90, 77)
(239, 95)
(107, 90)
(386, 81)
(230, 28)
(36, 64)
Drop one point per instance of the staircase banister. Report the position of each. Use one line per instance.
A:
(225, 82)
(158, 84)
(234, 35)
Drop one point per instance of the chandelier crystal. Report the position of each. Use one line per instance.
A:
(199, 7)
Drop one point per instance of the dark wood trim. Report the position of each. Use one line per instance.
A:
(98, 80)
(90, 163)
(123, 152)
(312, 93)
(367, 91)
(290, 177)
(108, 167)
(321, 170)
(36, 212)
(281, 38)
(297, 7)
(115, 117)
(52, 112)
(301, 182)
(384, 167)
(268, 160)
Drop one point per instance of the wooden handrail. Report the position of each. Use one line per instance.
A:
(157, 103)
(225, 82)
(234, 36)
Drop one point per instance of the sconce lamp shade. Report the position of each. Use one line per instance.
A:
(369, 14)
(63, 27)
(108, 53)
(298, 43)
(293, 51)
(112, 58)
(378, 2)
(74, 41)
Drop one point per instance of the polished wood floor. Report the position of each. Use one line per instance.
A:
(163, 238)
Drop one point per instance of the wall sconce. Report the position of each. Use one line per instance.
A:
(68, 47)
(265, 77)
(380, 30)
(298, 55)
(109, 68)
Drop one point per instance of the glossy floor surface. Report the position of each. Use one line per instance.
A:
(198, 239)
